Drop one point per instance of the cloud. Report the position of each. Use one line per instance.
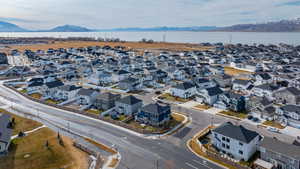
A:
(11, 19)
(146, 13)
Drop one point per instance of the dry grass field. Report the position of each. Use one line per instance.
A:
(235, 72)
(129, 45)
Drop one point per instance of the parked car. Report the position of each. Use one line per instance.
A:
(255, 119)
(273, 129)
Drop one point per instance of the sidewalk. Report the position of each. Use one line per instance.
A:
(28, 132)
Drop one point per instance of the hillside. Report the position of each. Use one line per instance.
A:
(8, 27)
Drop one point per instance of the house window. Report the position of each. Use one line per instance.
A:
(241, 152)
(227, 146)
(223, 138)
(227, 139)
(241, 144)
(223, 145)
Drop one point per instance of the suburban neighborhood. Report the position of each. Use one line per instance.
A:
(248, 94)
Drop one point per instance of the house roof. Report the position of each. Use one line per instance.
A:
(275, 145)
(293, 90)
(86, 92)
(107, 96)
(54, 84)
(155, 108)
(130, 100)
(184, 86)
(265, 76)
(69, 87)
(129, 80)
(236, 132)
(231, 94)
(291, 108)
(5, 133)
(36, 83)
(269, 87)
(214, 91)
(241, 82)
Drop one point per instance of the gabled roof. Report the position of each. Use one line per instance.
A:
(5, 133)
(236, 132)
(130, 100)
(36, 83)
(277, 146)
(241, 82)
(291, 108)
(86, 92)
(107, 96)
(269, 87)
(214, 91)
(231, 94)
(293, 90)
(265, 76)
(184, 86)
(155, 108)
(54, 84)
(69, 87)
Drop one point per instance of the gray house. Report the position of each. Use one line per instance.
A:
(130, 84)
(5, 132)
(280, 154)
(106, 101)
(128, 105)
(290, 95)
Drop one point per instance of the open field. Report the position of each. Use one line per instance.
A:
(30, 152)
(129, 45)
(22, 124)
(235, 72)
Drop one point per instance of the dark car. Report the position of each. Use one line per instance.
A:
(250, 117)
(255, 119)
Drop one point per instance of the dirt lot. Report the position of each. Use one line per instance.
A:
(129, 45)
(30, 152)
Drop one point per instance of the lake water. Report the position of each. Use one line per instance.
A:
(186, 37)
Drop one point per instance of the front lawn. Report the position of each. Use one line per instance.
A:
(95, 111)
(202, 107)
(169, 97)
(273, 124)
(234, 114)
(36, 95)
(52, 101)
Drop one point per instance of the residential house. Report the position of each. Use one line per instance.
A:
(51, 88)
(128, 105)
(35, 87)
(289, 115)
(66, 92)
(281, 155)
(183, 90)
(223, 81)
(5, 132)
(289, 95)
(241, 85)
(263, 78)
(209, 96)
(130, 84)
(265, 90)
(105, 101)
(203, 83)
(86, 96)
(154, 114)
(232, 101)
(236, 141)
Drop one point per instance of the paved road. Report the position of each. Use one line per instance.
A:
(137, 152)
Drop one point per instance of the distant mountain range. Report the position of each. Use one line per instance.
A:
(280, 26)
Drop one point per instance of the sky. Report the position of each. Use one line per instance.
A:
(103, 14)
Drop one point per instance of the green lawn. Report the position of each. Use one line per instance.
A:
(234, 114)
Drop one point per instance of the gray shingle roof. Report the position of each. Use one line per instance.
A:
(241, 82)
(130, 100)
(86, 92)
(5, 133)
(236, 132)
(184, 86)
(293, 90)
(291, 108)
(214, 91)
(54, 84)
(155, 108)
(275, 145)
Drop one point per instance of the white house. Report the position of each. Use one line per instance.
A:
(183, 90)
(86, 96)
(266, 90)
(67, 92)
(263, 78)
(290, 115)
(209, 96)
(240, 85)
(236, 141)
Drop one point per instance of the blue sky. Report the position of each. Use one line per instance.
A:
(41, 14)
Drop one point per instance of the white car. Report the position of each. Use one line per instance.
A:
(273, 129)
